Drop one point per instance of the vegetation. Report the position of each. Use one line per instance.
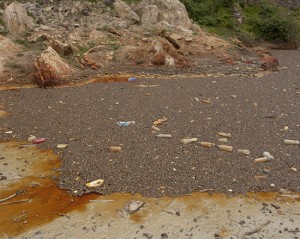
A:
(263, 20)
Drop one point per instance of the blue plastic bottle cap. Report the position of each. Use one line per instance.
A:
(131, 79)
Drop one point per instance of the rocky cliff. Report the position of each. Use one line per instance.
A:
(90, 38)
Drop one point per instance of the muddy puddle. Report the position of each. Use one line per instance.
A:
(31, 206)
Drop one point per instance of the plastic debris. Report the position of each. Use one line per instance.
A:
(8, 132)
(163, 136)
(206, 101)
(147, 86)
(261, 160)
(31, 138)
(291, 142)
(196, 99)
(39, 141)
(95, 183)
(294, 169)
(286, 128)
(155, 128)
(61, 146)
(268, 155)
(223, 140)
(225, 148)
(125, 123)
(207, 144)
(132, 79)
(115, 149)
(227, 135)
(189, 140)
(160, 121)
(133, 206)
(244, 151)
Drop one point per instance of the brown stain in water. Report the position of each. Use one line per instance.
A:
(43, 200)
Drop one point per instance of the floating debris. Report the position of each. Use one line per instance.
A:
(286, 128)
(160, 121)
(294, 169)
(155, 128)
(189, 140)
(225, 148)
(227, 135)
(223, 140)
(196, 99)
(244, 151)
(62, 146)
(39, 141)
(291, 142)
(260, 160)
(125, 123)
(31, 138)
(147, 86)
(206, 101)
(207, 144)
(268, 155)
(132, 79)
(163, 136)
(115, 149)
(95, 183)
(8, 132)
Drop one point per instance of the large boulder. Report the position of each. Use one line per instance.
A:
(125, 12)
(169, 13)
(16, 19)
(7, 49)
(51, 68)
(157, 52)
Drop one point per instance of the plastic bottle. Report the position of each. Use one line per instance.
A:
(125, 123)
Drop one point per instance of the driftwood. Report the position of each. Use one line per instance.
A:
(257, 229)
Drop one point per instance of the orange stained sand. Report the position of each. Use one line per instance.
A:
(38, 200)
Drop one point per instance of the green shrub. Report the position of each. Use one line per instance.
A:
(211, 13)
(273, 23)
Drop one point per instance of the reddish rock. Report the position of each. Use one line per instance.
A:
(269, 63)
(158, 59)
(51, 68)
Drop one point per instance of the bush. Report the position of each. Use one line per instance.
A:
(272, 23)
(210, 13)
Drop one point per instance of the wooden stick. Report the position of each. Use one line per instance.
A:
(10, 197)
(7, 203)
(255, 230)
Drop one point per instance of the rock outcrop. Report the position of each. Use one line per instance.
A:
(7, 50)
(16, 19)
(51, 68)
(167, 13)
(125, 12)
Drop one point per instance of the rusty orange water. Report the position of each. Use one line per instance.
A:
(38, 200)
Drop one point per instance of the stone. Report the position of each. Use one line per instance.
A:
(169, 12)
(133, 206)
(124, 11)
(269, 63)
(16, 19)
(51, 68)
(150, 16)
(7, 49)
